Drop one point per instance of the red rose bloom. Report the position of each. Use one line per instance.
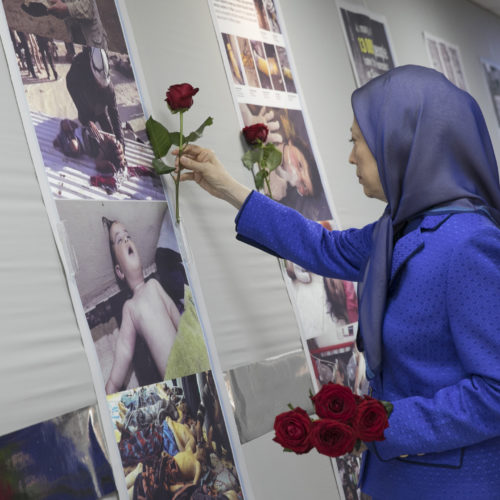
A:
(371, 420)
(332, 438)
(180, 96)
(254, 133)
(335, 401)
(292, 430)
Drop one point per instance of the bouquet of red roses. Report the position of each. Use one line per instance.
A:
(345, 421)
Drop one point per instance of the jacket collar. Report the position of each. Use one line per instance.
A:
(412, 241)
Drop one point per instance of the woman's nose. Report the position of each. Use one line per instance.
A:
(352, 159)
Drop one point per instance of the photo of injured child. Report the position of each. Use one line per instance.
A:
(134, 292)
(88, 120)
(295, 183)
(173, 442)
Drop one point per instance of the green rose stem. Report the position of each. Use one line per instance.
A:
(178, 178)
(266, 179)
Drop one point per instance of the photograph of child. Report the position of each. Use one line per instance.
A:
(296, 182)
(61, 458)
(173, 441)
(134, 292)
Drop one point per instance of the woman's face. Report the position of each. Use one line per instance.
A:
(295, 163)
(366, 165)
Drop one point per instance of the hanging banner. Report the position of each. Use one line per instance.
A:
(445, 58)
(164, 419)
(265, 89)
(368, 42)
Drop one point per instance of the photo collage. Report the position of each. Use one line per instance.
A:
(85, 111)
(259, 70)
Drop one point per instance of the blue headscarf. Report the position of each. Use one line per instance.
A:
(433, 151)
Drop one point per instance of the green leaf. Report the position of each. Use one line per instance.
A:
(271, 157)
(161, 167)
(389, 407)
(259, 179)
(193, 136)
(174, 137)
(159, 137)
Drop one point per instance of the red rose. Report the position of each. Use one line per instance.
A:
(180, 96)
(292, 430)
(332, 438)
(335, 401)
(254, 133)
(370, 420)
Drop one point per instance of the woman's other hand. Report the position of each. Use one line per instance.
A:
(207, 171)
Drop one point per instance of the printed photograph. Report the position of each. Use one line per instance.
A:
(232, 53)
(368, 43)
(260, 12)
(134, 290)
(274, 69)
(173, 441)
(272, 15)
(261, 63)
(61, 458)
(492, 73)
(285, 70)
(248, 62)
(296, 182)
(88, 119)
(86, 22)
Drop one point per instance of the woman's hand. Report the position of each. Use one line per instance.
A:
(206, 170)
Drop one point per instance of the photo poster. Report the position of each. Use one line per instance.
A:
(445, 58)
(368, 42)
(77, 89)
(61, 458)
(492, 75)
(264, 86)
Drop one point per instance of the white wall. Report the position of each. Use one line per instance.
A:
(43, 371)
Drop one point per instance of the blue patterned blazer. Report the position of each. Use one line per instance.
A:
(441, 344)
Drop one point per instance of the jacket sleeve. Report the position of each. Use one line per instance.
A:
(467, 412)
(283, 232)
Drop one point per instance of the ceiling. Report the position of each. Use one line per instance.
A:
(491, 5)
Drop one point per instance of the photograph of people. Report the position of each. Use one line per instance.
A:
(173, 441)
(431, 347)
(89, 122)
(296, 182)
(125, 275)
(94, 23)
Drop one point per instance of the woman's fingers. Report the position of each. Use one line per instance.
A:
(187, 176)
(191, 164)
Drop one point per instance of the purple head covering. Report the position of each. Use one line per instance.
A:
(433, 150)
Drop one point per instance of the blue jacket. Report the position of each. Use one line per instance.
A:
(441, 344)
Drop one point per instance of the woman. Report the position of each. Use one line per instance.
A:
(429, 273)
